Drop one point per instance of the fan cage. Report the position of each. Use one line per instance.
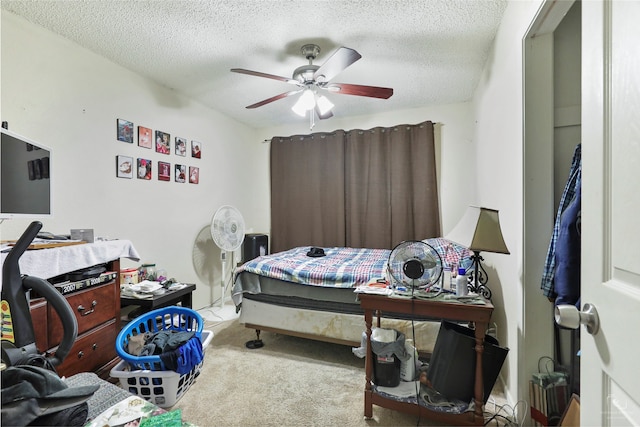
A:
(414, 250)
(227, 228)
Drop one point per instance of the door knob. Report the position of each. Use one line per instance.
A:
(568, 316)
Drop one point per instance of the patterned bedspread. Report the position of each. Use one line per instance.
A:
(340, 268)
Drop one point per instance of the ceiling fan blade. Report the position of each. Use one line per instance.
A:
(350, 89)
(326, 115)
(269, 76)
(337, 62)
(273, 98)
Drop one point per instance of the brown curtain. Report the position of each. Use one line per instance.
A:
(372, 188)
(391, 192)
(307, 191)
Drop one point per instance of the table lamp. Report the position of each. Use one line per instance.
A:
(479, 230)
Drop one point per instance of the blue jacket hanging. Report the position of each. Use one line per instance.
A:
(548, 283)
(567, 254)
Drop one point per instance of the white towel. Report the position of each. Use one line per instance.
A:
(47, 263)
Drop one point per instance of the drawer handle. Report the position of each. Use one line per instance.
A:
(86, 313)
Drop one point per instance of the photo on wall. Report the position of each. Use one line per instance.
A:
(181, 173)
(145, 137)
(181, 147)
(125, 131)
(144, 168)
(124, 166)
(163, 142)
(196, 149)
(164, 171)
(194, 174)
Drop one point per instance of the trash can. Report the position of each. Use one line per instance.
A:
(387, 346)
(452, 366)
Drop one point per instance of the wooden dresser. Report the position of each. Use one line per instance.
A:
(97, 311)
(97, 307)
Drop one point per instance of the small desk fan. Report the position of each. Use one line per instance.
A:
(227, 231)
(414, 264)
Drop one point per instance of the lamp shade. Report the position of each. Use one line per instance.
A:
(306, 102)
(324, 105)
(479, 230)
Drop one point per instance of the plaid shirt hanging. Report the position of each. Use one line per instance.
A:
(547, 284)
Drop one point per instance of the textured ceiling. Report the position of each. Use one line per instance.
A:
(430, 51)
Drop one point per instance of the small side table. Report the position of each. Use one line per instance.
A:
(426, 309)
(182, 296)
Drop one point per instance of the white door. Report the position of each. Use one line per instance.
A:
(610, 372)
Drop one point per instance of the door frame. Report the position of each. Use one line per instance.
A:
(538, 182)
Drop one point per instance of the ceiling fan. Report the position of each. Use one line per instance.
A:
(310, 79)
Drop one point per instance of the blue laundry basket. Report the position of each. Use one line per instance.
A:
(169, 318)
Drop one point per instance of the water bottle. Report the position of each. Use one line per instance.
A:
(408, 367)
(461, 283)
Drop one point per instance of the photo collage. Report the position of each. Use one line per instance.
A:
(160, 141)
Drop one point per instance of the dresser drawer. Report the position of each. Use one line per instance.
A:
(91, 350)
(91, 307)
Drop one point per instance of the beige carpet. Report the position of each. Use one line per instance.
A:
(289, 382)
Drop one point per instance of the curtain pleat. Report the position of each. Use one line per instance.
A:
(362, 188)
(307, 191)
(367, 189)
(391, 186)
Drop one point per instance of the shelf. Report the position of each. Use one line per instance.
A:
(479, 314)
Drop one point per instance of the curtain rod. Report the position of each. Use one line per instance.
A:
(374, 129)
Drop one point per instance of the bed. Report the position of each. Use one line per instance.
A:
(313, 297)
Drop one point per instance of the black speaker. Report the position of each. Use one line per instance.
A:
(254, 245)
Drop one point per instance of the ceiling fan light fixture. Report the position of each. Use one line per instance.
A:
(307, 99)
(306, 102)
(324, 105)
(309, 78)
(298, 109)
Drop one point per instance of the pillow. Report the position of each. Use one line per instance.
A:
(451, 252)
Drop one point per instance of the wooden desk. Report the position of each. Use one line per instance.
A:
(182, 296)
(421, 309)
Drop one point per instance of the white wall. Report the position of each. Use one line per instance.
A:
(68, 98)
(500, 182)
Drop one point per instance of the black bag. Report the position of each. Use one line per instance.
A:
(452, 367)
(32, 395)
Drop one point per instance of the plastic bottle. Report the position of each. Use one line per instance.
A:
(408, 367)
(446, 277)
(461, 283)
(452, 280)
(147, 272)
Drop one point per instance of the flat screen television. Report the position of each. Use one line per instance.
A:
(25, 177)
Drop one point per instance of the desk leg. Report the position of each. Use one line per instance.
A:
(368, 367)
(187, 300)
(480, 330)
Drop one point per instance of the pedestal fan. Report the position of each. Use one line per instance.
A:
(227, 231)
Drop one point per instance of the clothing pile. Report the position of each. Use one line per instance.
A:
(32, 395)
(179, 351)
